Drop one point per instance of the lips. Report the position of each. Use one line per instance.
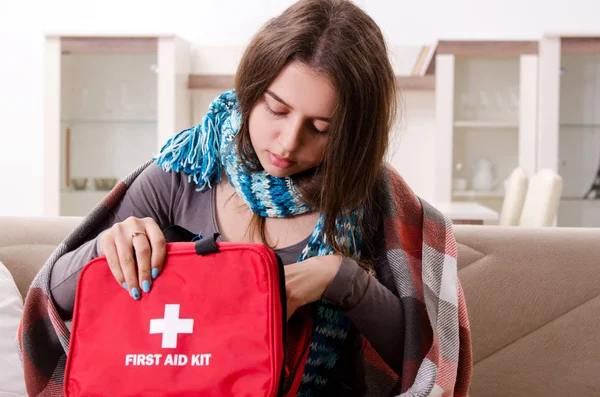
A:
(279, 161)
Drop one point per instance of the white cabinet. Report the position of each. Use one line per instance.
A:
(570, 123)
(110, 104)
(486, 108)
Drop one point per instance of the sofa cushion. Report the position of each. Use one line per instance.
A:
(11, 308)
(533, 300)
(27, 242)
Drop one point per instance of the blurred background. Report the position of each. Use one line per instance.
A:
(91, 89)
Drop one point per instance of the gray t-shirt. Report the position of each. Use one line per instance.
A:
(372, 304)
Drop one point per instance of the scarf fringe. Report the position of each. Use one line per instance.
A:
(196, 150)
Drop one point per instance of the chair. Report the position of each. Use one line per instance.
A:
(515, 189)
(542, 199)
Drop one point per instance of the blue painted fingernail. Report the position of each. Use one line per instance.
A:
(146, 286)
(135, 293)
(155, 272)
(125, 285)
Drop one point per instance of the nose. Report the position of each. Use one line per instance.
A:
(290, 136)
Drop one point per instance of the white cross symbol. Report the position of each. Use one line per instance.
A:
(171, 326)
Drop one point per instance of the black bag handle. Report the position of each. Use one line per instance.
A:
(203, 245)
(207, 245)
(176, 233)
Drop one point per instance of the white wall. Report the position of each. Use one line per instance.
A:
(204, 22)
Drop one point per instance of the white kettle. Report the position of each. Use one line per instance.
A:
(483, 179)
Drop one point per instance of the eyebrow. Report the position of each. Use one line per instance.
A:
(278, 99)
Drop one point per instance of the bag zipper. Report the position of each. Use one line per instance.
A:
(293, 373)
(283, 299)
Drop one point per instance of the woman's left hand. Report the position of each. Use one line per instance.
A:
(306, 281)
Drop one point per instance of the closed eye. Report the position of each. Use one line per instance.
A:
(274, 113)
(317, 131)
(281, 114)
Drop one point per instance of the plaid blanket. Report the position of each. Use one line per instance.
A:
(420, 251)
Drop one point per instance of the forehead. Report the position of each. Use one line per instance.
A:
(305, 90)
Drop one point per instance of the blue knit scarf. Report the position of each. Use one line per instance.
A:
(203, 152)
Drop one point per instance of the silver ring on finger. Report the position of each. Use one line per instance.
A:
(137, 232)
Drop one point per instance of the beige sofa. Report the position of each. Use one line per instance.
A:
(532, 296)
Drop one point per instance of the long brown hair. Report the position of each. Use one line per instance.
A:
(338, 39)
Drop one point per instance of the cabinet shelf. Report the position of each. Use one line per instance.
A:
(576, 198)
(103, 115)
(485, 124)
(580, 125)
(486, 104)
(227, 81)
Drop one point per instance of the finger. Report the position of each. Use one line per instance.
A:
(142, 250)
(159, 247)
(126, 259)
(291, 302)
(109, 250)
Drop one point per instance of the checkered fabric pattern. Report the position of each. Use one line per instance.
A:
(420, 251)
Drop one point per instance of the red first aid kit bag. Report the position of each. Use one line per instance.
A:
(214, 324)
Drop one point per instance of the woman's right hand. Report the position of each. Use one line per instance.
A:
(135, 250)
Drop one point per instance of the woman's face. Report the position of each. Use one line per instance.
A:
(289, 124)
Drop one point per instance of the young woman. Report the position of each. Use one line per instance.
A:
(293, 158)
